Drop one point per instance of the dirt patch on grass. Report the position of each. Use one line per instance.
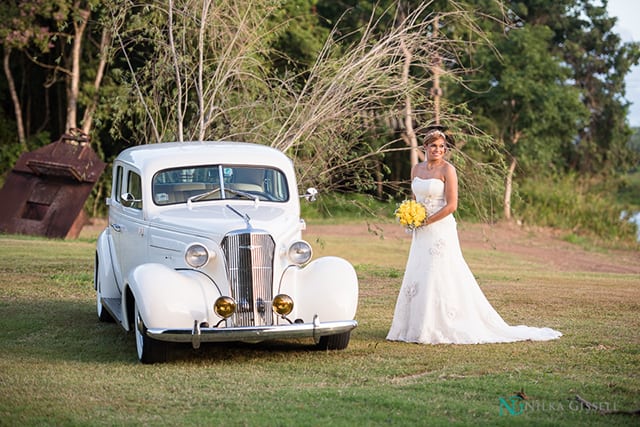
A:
(543, 245)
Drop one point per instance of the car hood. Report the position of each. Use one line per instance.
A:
(217, 220)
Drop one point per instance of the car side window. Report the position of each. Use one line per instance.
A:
(118, 183)
(134, 187)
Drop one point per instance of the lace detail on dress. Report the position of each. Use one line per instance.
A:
(429, 205)
(445, 308)
(412, 290)
(438, 248)
(432, 205)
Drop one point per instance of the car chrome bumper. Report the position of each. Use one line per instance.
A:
(198, 334)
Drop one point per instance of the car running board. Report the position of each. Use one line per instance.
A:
(114, 307)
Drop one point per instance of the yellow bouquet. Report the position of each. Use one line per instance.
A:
(411, 214)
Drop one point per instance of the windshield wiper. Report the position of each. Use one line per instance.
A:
(202, 195)
(243, 193)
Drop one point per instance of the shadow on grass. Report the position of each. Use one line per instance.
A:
(70, 331)
(239, 351)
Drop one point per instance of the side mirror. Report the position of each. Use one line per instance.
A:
(311, 194)
(128, 200)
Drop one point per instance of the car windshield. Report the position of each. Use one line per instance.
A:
(218, 182)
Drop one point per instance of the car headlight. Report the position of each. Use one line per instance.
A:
(300, 252)
(196, 255)
(282, 304)
(224, 307)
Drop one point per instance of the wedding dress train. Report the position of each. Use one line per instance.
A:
(440, 301)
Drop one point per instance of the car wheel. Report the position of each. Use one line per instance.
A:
(334, 342)
(149, 350)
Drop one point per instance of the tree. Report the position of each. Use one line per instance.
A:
(528, 98)
(194, 65)
(584, 38)
(226, 89)
(52, 34)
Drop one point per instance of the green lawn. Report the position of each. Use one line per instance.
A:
(60, 366)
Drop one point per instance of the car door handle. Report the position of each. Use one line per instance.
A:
(116, 227)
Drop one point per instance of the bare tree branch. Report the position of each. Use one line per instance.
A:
(17, 106)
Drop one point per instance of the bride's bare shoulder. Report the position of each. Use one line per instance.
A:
(418, 170)
(449, 167)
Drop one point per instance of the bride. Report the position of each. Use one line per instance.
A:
(440, 301)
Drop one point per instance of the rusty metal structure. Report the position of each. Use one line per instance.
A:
(45, 192)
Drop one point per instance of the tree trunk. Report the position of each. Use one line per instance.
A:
(436, 91)
(409, 134)
(87, 119)
(22, 139)
(201, 36)
(73, 90)
(176, 67)
(508, 186)
(379, 178)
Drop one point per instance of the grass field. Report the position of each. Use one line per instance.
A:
(60, 366)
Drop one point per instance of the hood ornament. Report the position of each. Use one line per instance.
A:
(245, 217)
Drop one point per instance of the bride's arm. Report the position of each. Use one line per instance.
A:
(414, 172)
(450, 195)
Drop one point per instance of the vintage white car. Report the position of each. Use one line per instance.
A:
(204, 244)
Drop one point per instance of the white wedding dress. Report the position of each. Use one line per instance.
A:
(440, 301)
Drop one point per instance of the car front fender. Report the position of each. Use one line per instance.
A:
(169, 298)
(326, 287)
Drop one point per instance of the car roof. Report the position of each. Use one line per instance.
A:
(173, 154)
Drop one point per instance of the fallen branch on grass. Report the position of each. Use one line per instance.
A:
(593, 407)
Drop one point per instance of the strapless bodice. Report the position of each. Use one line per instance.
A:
(429, 192)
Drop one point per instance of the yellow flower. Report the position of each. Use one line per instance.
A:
(411, 214)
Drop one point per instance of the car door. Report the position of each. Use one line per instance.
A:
(128, 227)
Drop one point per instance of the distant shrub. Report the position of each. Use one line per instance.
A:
(573, 204)
(346, 207)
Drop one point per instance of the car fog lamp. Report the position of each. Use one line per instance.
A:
(224, 307)
(282, 304)
(300, 252)
(196, 256)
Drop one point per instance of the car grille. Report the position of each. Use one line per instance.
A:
(249, 258)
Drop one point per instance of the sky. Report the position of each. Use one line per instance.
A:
(628, 11)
